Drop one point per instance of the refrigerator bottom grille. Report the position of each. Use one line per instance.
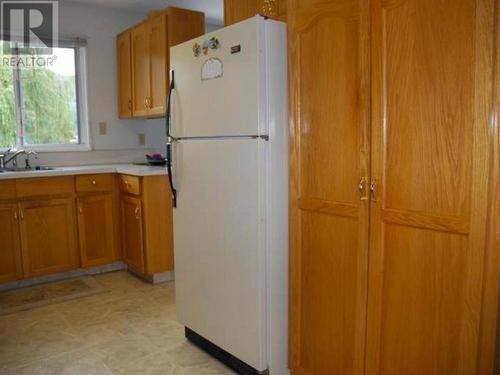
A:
(228, 359)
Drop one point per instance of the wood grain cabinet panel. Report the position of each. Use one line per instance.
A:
(10, 244)
(141, 69)
(393, 189)
(239, 10)
(147, 224)
(48, 236)
(328, 59)
(8, 190)
(150, 41)
(45, 187)
(432, 77)
(130, 184)
(96, 230)
(132, 230)
(123, 49)
(158, 52)
(94, 183)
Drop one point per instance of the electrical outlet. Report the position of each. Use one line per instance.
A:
(142, 139)
(103, 128)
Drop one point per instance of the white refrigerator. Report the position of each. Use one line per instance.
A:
(227, 132)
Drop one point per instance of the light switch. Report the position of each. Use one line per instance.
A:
(142, 139)
(103, 128)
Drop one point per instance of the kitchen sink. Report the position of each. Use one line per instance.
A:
(35, 169)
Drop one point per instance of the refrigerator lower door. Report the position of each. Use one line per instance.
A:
(220, 243)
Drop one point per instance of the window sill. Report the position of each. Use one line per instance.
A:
(55, 148)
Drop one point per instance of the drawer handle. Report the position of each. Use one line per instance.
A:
(94, 182)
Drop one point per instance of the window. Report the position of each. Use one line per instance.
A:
(43, 98)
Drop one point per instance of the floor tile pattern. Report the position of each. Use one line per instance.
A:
(130, 329)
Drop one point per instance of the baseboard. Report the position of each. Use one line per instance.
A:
(116, 266)
(156, 278)
(227, 358)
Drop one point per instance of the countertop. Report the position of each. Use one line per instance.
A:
(130, 169)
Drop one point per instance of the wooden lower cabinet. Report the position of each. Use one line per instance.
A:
(48, 236)
(133, 239)
(10, 244)
(96, 230)
(57, 224)
(147, 224)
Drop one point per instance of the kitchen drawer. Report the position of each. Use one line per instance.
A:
(45, 186)
(94, 183)
(7, 189)
(130, 184)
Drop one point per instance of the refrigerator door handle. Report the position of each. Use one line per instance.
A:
(170, 139)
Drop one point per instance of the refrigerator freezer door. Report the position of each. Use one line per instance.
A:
(227, 105)
(219, 238)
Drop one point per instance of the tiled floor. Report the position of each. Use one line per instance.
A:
(129, 330)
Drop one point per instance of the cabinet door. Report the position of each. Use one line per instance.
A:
(96, 230)
(329, 164)
(239, 10)
(158, 46)
(141, 70)
(124, 75)
(431, 78)
(132, 232)
(275, 9)
(10, 246)
(48, 236)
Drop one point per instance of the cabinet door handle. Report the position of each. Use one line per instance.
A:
(137, 211)
(129, 104)
(362, 189)
(21, 214)
(373, 190)
(15, 215)
(80, 210)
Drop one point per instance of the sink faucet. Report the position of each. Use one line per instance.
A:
(28, 154)
(7, 157)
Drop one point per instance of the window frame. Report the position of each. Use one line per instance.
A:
(81, 101)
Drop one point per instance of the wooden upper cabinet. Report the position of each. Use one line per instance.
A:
(10, 245)
(432, 64)
(149, 61)
(96, 229)
(329, 190)
(48, 236)
(184, 25)
(141, 69)
(158, 44)
(239, 10)
(124, 75)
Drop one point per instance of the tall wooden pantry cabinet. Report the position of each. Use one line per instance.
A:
(394, 190)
